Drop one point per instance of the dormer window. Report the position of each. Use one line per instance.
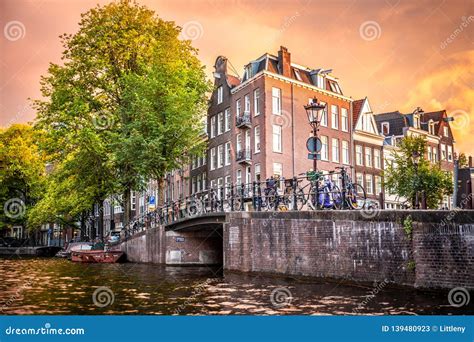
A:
(385, 128)
(335, 87)
(297, 74)
(416, 121)
(321, 83)
(431, 127)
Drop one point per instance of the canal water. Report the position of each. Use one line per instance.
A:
(58, 286)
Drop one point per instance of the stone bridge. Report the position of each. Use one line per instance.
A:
(419, 248)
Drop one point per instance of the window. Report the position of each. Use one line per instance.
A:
(256, 101)
(335, 87)
(369, 187)
(198, 184)
(345, 152)
(220, 123)
(378, 185)
(247, 103)
(220, 183)
(431, 127)
(238, 179)
(430, 153)
(324, 148)
(213, 184)
(239, 142)
(227, 153)
(385, 128)
(204, 181)
(359, 157)
(334, 116)
(368, 156)
(450, 153)
(220, 156)
(377, 159)
(320, 81)
(446, 131)
(276, 101)
(435, 154)
(257, 139)
(213, 127)
(297, 74)
(247, 140)
(227, 120)
(248, 175)
(324, 116)
(237, 108)
(227, 182)
(220, 95)
(360, 179)
(277, 138)
(335, 150)
(213, 158)
(194, 185)
(277, 169)
(344, 120)
(443, 152)
(416, 121)
(257, 172)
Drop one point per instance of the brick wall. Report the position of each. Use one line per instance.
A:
(347, 245)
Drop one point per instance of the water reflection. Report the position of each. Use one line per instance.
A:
(57, 286)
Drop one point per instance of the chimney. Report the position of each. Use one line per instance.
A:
(284, 61)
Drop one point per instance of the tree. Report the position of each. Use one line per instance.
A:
(22, 173)
(462, 160)
(138, 90)
(407, 178)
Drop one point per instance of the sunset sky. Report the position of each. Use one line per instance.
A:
(401, 54)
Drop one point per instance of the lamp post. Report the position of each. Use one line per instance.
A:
(415, 159)
(315, 111)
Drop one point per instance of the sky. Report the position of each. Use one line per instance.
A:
(400, 54)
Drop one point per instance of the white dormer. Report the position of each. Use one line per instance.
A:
(385, 128)
(366, 121)
(431, 127)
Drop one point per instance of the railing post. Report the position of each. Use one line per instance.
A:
(254, 195)
(221, 199)
(242, 194)
(212, 199)
(294, 183)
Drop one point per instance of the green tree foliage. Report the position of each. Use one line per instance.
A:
(128, 103)
(463, 160)
(405, 177)
(22, 173)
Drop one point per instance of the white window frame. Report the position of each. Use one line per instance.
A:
(450, 153)
(334, 117)
(377, 158)
(378, 185)
(324, 117)
(227, 120)
(446, 131)
(335, 152)
(213, 126)
(277, 131)
(220, 156)
(228, 153)
(212, 163)
(256, 101)
(247, 103)
(368, 157)
(385, 128)
(220, 123)
(369, 181)
(345, 152)
(256, 139)
(276, 101)
(359, 154)
(324, 148)
(278, 169)
(344, 119)
(220, 95)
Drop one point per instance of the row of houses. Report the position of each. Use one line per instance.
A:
(257, 128)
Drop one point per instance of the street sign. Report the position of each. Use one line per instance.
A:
(151, 203)
(313, 156)
(313, 144)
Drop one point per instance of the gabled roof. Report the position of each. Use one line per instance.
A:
(232, 81)
(356, 109)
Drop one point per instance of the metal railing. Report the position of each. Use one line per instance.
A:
(311, 191)
(243, 120)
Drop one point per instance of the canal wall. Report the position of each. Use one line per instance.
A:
(424, 249)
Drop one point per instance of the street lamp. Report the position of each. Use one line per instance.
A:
(315, 111)
(416, 159)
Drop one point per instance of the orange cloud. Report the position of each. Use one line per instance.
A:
(450, 87)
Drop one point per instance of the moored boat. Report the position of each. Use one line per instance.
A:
(97, 256)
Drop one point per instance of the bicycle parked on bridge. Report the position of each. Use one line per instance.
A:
(353, 194)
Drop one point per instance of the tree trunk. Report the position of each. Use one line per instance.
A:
(100, 225)
(127, 208)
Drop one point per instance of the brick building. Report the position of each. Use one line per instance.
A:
(434, 126)
(257, 126)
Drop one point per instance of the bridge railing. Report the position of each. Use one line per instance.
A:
(302, 192)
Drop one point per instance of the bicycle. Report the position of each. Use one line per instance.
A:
(354, 195)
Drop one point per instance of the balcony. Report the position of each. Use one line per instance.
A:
(244, 156)
(244, 120)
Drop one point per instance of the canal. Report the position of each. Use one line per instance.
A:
(58, 286)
